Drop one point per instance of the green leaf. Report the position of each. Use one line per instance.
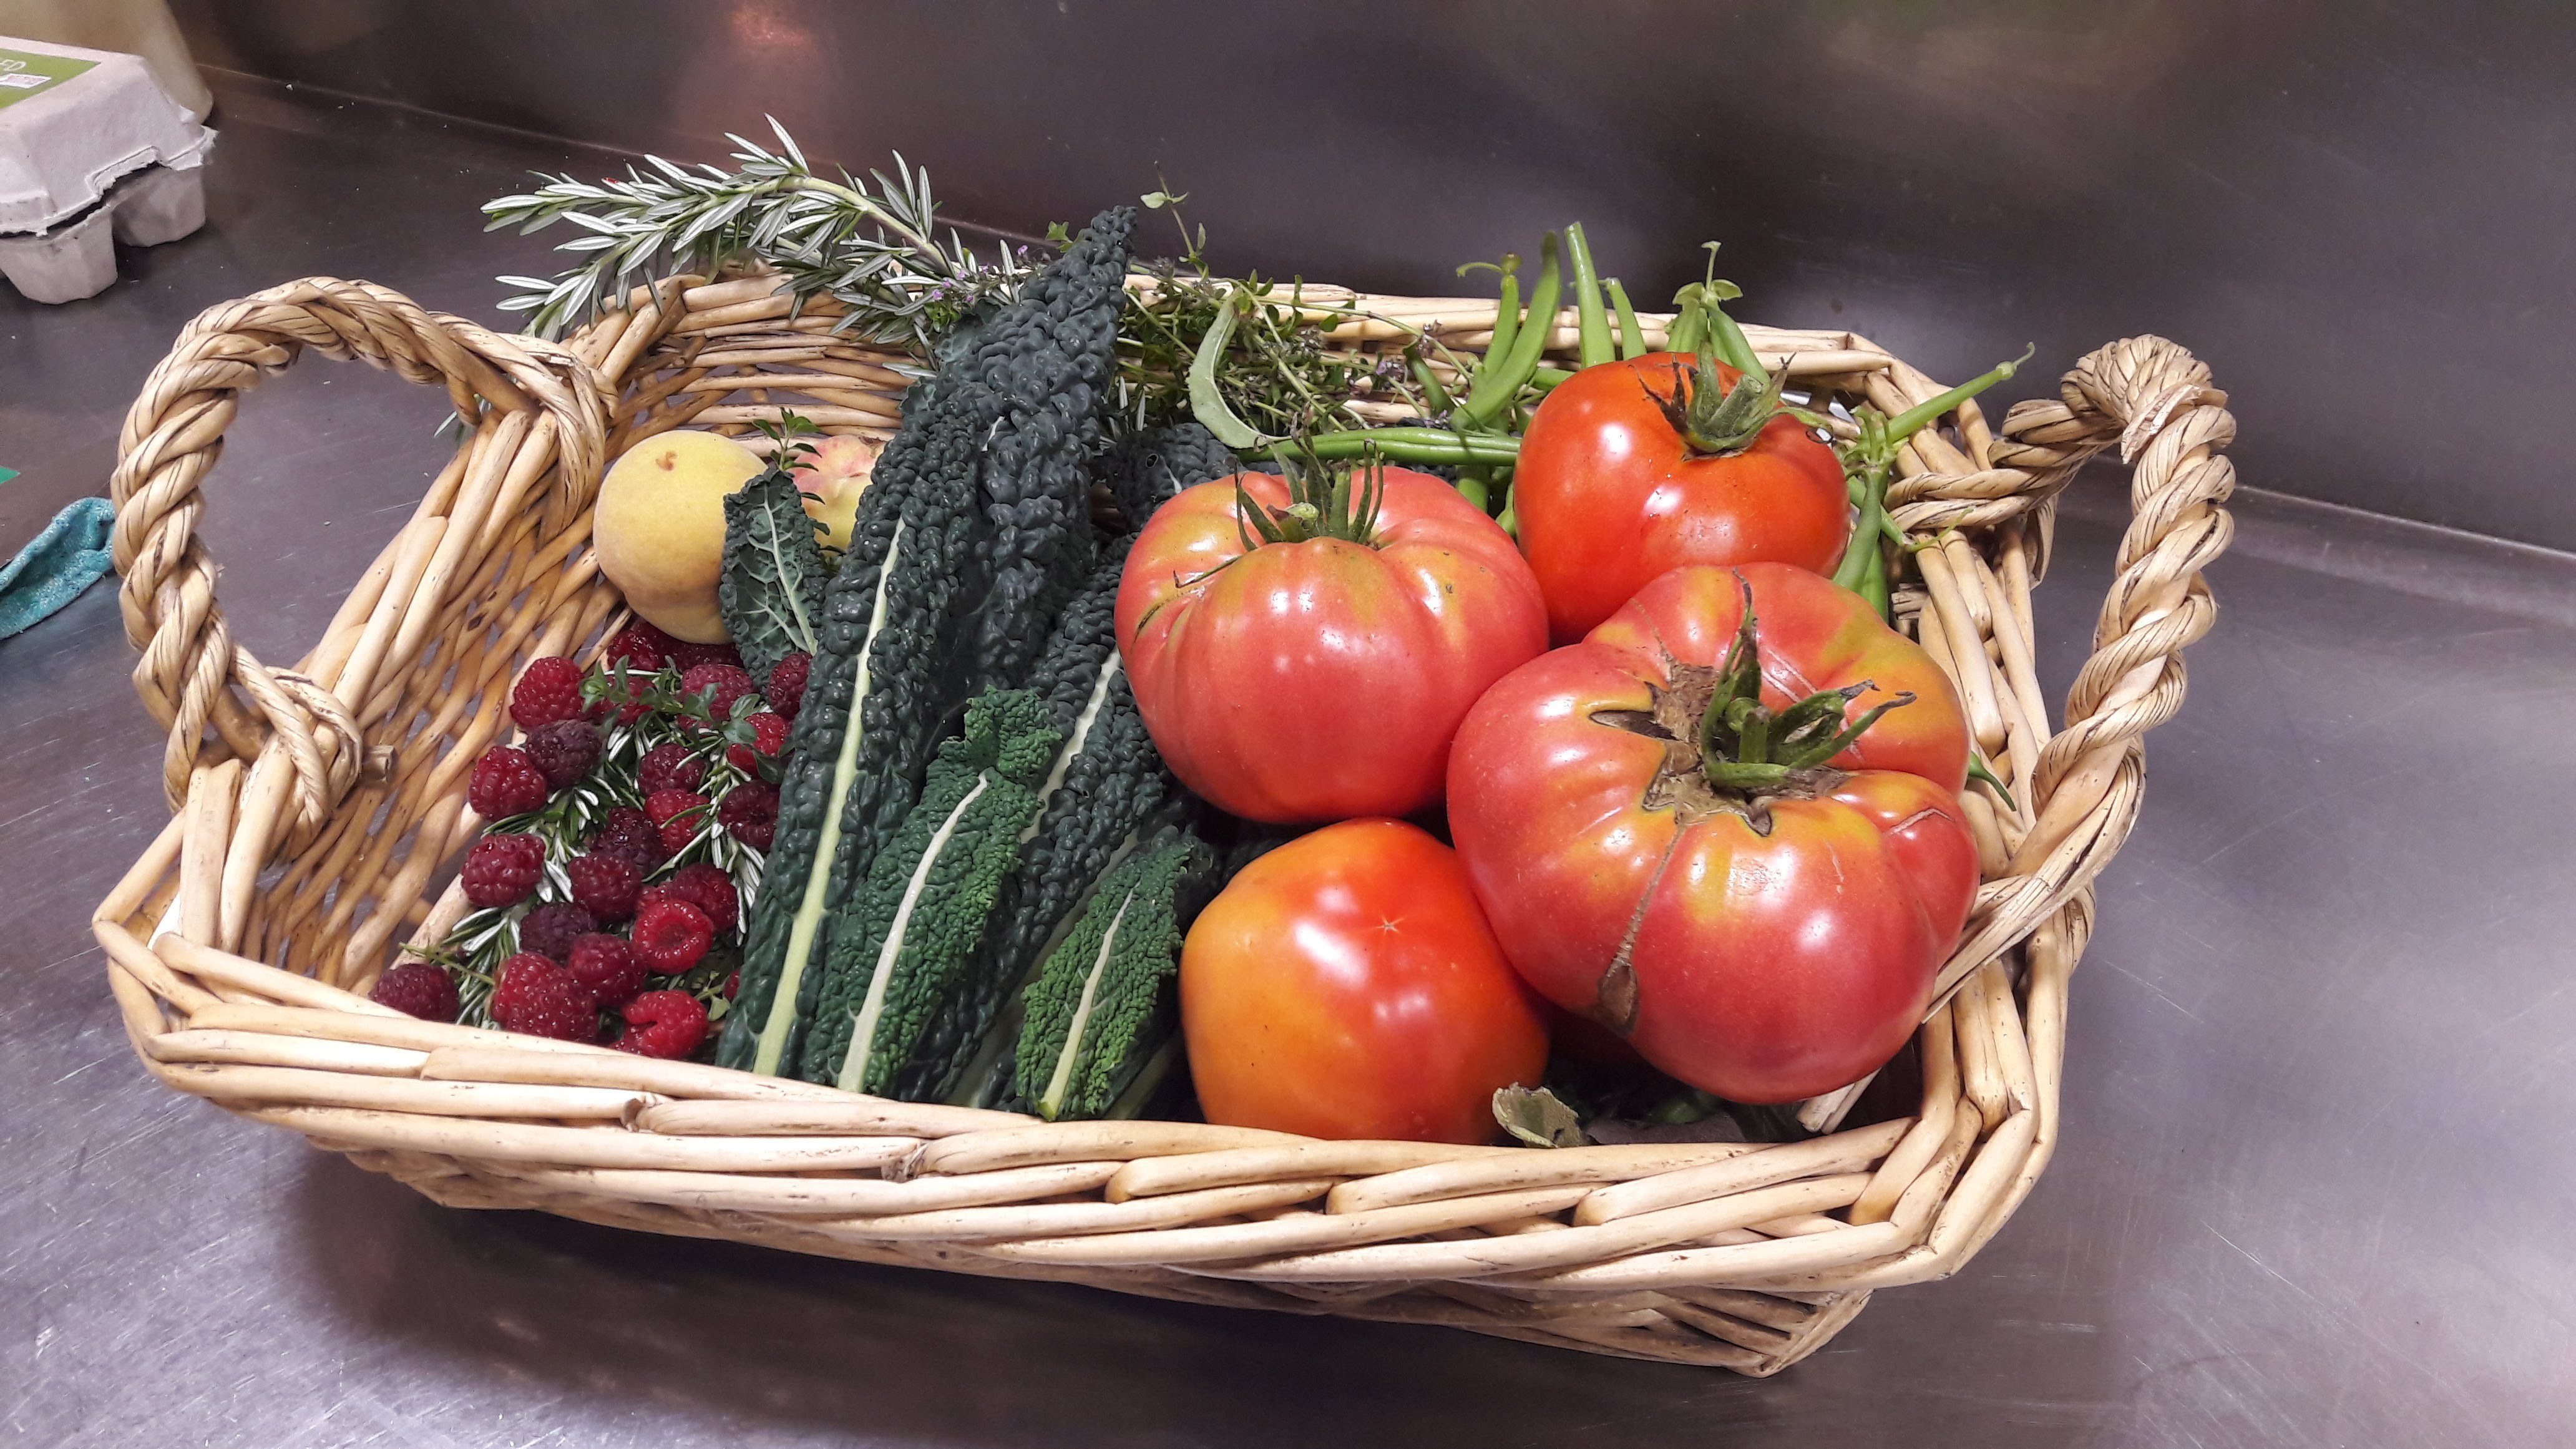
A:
(772, 585)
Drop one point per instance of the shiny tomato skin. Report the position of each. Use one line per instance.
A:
(1316, 681)
(1608, 497)
(1765, 968)
(1345, 985)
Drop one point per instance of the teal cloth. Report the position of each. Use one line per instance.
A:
(66, 558)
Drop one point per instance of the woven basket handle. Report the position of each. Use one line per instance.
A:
(2152, 399)
(191, 664)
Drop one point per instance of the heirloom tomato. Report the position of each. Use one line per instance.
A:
(1302, 649)
(1346, 985)
(1726, 826)
(1632, 468)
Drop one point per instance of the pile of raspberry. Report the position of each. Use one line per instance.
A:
(603, 944)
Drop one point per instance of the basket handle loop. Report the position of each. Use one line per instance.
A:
(2152, 400)
(191, 665)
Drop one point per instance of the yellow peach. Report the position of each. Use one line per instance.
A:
(659, 527)
(832, 477)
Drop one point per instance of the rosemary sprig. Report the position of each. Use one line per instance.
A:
(875, 248)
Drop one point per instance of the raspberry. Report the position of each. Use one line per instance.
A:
(679, 815)
(686, 656)
(786, 692)
(549, 931)
(416, 988)
(604, 885)
(667, 1024)
(505, 782)
(733, 984)
(721, 685)
(769, 736)
(565, 750)
(540, 998)
(501, 869)
(607, 966)
(548, 691)
(629, 834)
(712, 890)
(641, 645)
(672, 937)
(669, 767)
(664, 894)
(750, 813)
(630, 687)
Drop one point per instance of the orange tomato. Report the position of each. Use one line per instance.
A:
(1346, 985)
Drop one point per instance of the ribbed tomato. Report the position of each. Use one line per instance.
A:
(1632, 468)
(1305, 653)
(1673, 831)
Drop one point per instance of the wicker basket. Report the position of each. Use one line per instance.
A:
(315, 805)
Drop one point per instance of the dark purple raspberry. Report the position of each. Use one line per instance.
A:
(630, 834)
(565, 750)
(549, 931)
(417, 988)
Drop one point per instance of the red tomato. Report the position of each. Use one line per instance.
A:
(1609, 495)
(1768, 944)
(1345, 985)
(1322, 679)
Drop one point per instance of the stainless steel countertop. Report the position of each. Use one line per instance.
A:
(2314, 1187)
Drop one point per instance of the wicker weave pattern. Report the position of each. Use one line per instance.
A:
(314, 805)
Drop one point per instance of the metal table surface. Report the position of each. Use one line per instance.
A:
(2313, 1190)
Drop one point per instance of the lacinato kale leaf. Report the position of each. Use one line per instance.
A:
(906, 940)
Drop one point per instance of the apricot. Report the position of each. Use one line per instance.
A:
(659, 527)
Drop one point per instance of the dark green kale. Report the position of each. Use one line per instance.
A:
(1048, 363)
(905, 941)
(902, 619)
(1100, 1006)
(771, 589)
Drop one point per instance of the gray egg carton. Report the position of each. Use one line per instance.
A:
(91, 153)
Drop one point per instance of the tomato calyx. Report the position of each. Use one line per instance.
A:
(1714, 419)
(1726, 752)
(1322, 503)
